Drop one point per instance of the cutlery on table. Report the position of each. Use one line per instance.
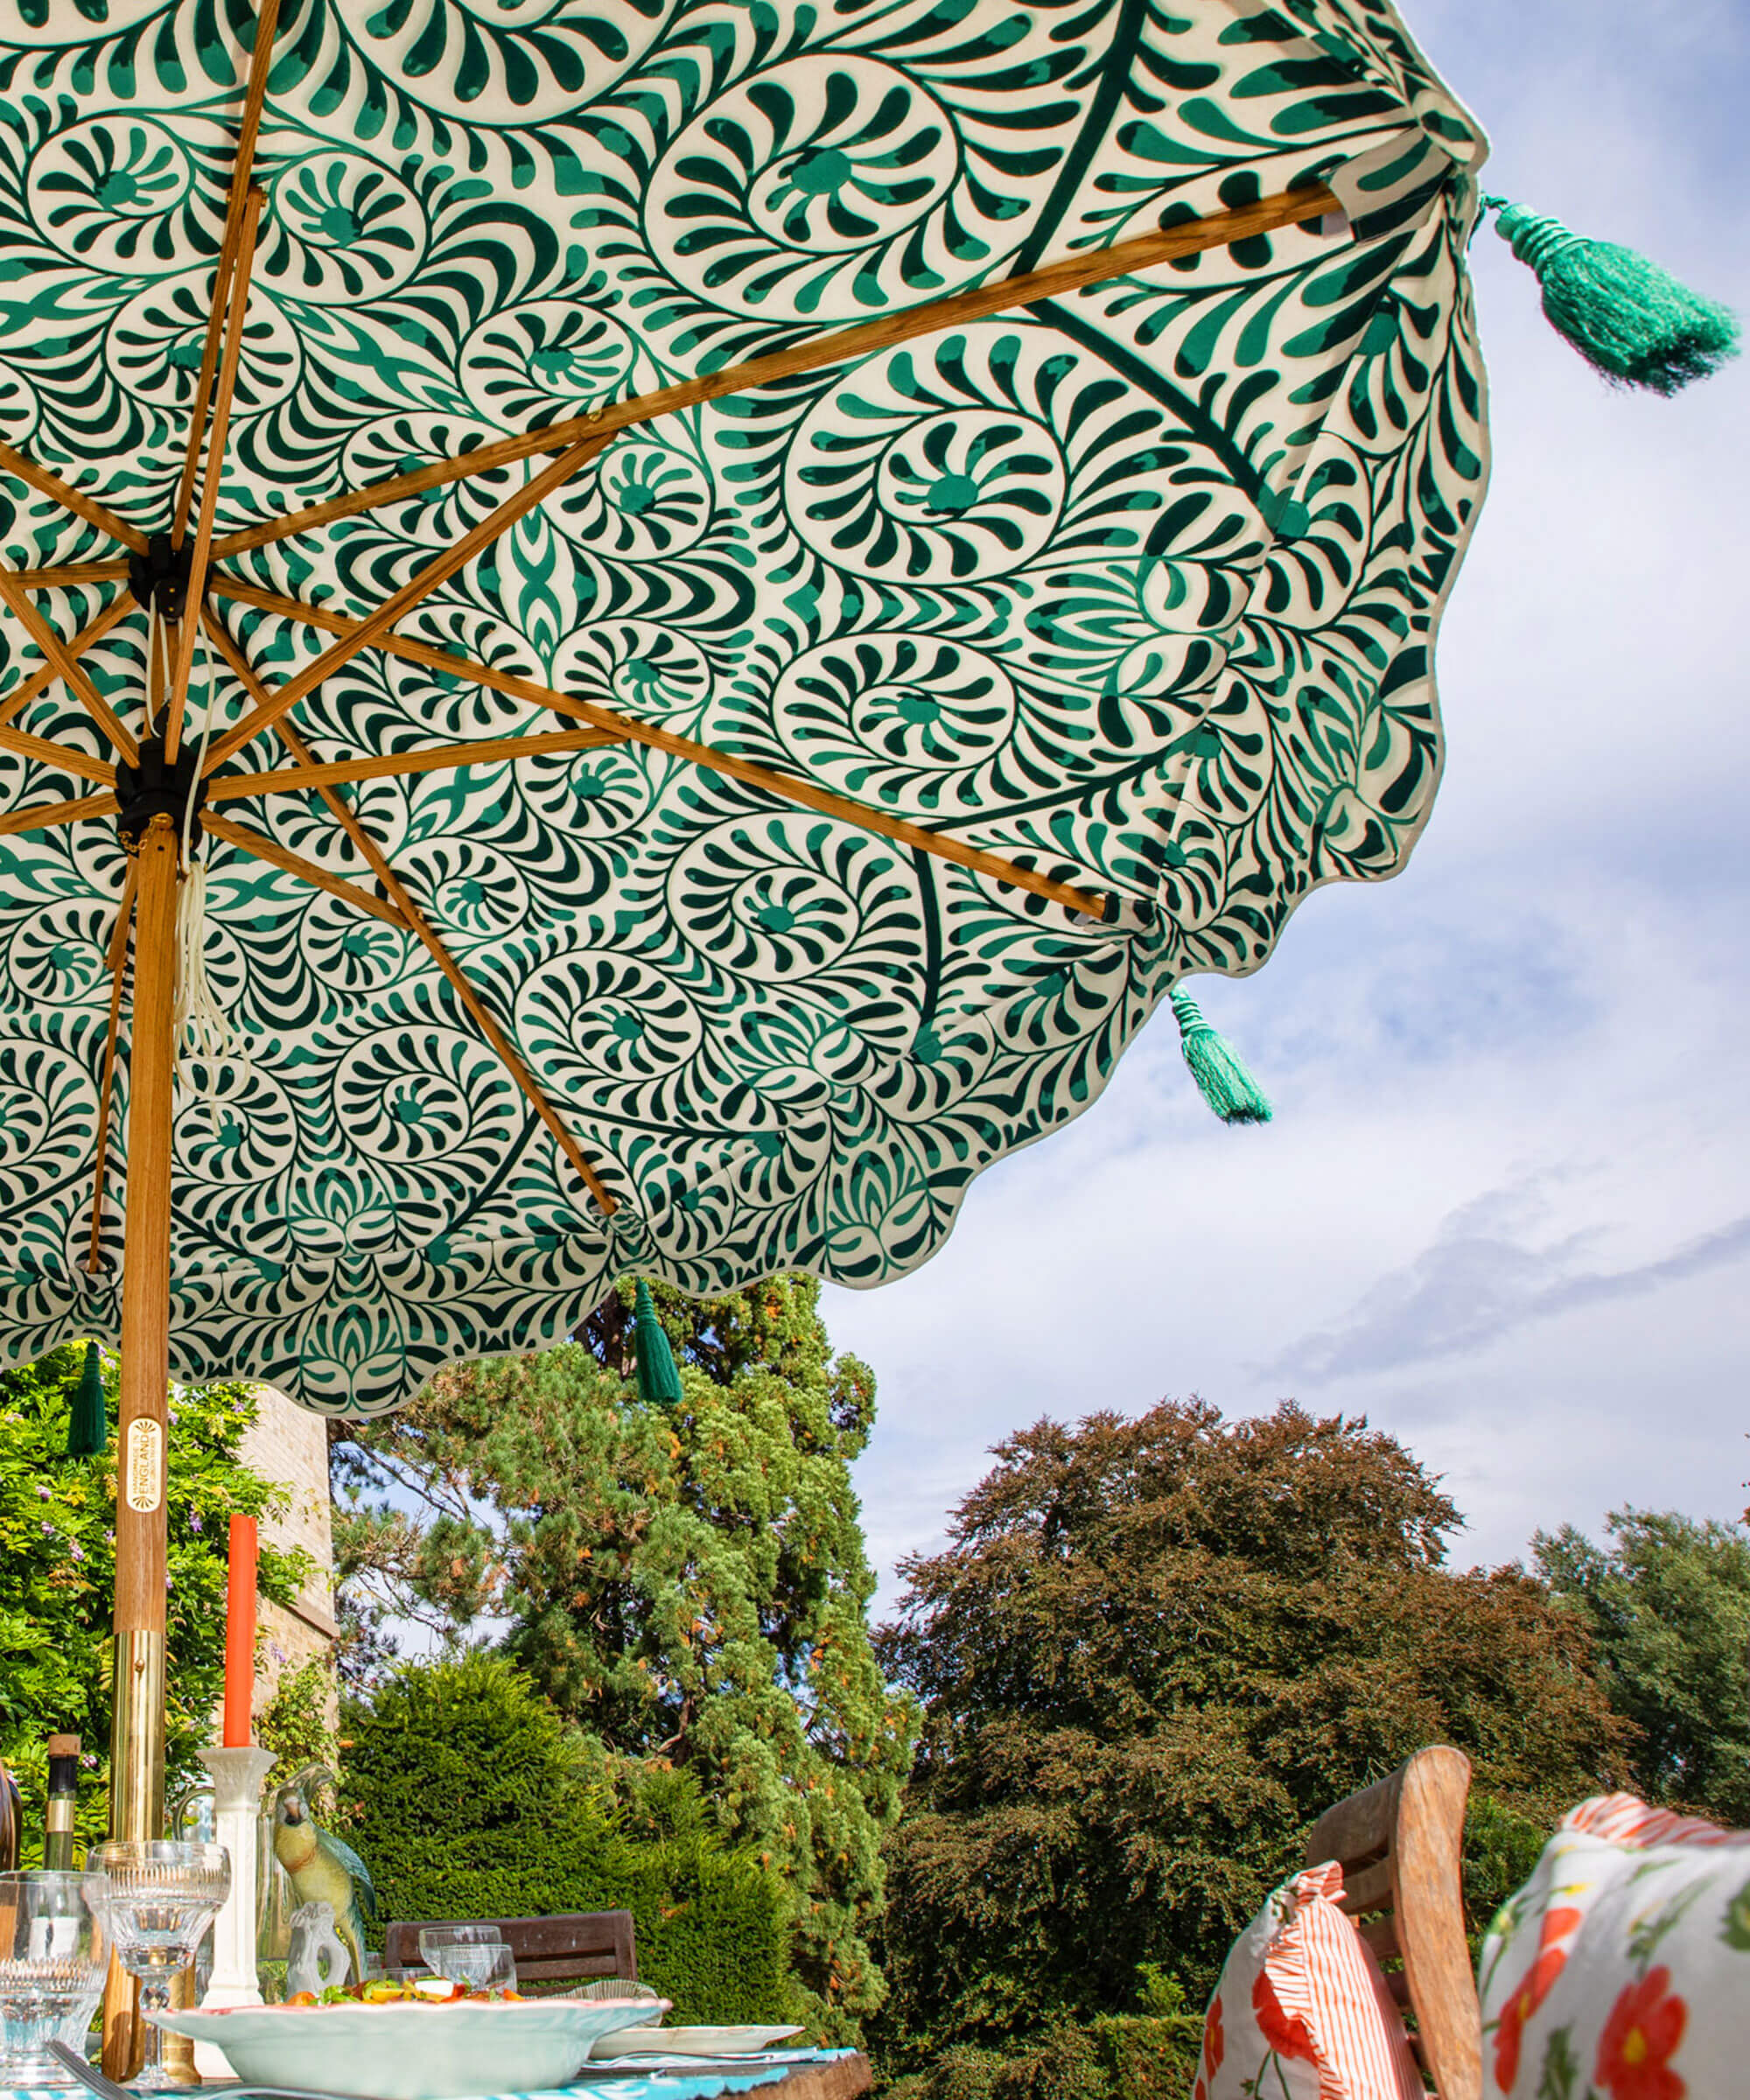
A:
(87, 2075)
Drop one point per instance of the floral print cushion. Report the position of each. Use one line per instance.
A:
(1302, 2011)
(1621, 1970)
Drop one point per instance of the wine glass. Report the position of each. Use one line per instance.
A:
(620, 1987)
(473, 1955)
(156, 1899)
(52, 1961)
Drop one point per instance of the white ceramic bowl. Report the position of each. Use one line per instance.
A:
(412, 2052)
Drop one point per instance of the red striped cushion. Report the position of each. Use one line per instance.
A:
(1302, 1998)
(1625, 1819)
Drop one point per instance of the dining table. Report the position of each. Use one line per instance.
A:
(797, 2073)
(813, 2074)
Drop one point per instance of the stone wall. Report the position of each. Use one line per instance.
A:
(289, 1445)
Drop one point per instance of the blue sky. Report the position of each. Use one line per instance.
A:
(1504, 1210)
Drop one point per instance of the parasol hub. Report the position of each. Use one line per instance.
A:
(153, 789)
(158, 578)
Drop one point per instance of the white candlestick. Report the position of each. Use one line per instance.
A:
(237, 1777)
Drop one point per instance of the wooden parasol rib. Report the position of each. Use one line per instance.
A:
(307, 870)
(422, 652)
(70, 498)
(436, 571)
(62, 757)
(1075, 273)
(64, 667)
(620, 728)
(378, 861)
(184, 661)
(69, 573)
(489, 751)
(26, 690)
(118, 963)
(45, 817)
(260, 60)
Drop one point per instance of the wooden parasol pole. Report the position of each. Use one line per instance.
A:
(136, 1742)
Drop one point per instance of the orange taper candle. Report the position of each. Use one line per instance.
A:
(240, 1635)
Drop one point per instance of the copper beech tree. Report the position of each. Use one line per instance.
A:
(1150, 1652)
(686, 1583)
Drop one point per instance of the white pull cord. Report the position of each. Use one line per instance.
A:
(204, 1035)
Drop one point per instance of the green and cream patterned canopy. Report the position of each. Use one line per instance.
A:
(1134, 587)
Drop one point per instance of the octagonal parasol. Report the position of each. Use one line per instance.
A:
(700, 609)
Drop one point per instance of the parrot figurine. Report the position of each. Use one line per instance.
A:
(322, 1870)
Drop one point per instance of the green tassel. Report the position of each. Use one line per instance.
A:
(1222, 1079)
(658, 1380)
(1628, 318)
(87, 1428)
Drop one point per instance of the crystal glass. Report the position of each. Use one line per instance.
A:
(619, 1986)
(52, 1961)
(474, 1955)
(156, 1898)
(190, 1820)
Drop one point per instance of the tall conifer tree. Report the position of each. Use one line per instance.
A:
(687, 1582)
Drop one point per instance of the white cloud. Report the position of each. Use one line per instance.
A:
(1473, 1287)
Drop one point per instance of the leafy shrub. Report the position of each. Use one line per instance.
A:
(58, 1575)
(468, 1797)
(1148, 2056)
(1119, 2056)
(1502, 1846)
(294, 1723)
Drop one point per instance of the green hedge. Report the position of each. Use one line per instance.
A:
(1118, 2057)
(468, 1797)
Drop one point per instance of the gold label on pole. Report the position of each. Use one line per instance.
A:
(144, 1469)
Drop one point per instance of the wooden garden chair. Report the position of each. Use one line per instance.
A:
(1399, 1844)
(576, 1945)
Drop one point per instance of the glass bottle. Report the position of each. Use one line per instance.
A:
(63, 1802)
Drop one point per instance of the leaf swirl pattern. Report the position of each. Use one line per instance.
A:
(1137, 586)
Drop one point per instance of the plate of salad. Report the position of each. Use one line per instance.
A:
(427, 2040)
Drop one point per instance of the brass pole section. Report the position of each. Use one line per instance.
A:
(137, 1742)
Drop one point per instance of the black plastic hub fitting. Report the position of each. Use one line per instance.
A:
(151, 788)
(159, 577)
